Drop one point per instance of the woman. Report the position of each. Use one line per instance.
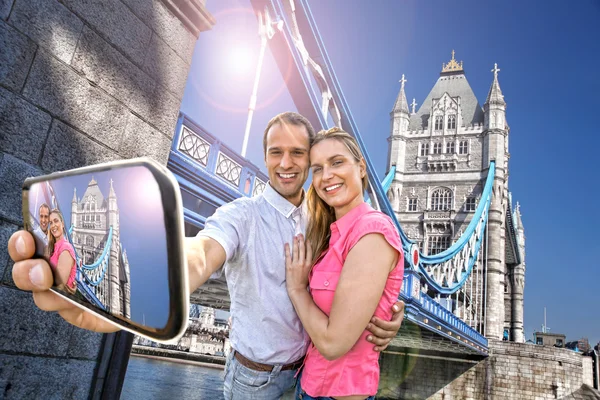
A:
(355, 272)
(61, 254)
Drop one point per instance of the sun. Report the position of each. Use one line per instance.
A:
(241, 60)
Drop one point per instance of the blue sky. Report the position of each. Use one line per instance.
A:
(142, 234)
(548, 53)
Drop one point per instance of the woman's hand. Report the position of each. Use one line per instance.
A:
(297, 264)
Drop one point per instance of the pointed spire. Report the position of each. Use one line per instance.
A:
(74, 196)
(413, 105)
(401, 104)
(495, 94)
(112, 190)
(92, 182)
(519, 222)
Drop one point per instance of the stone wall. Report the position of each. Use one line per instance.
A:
(512, 371)
(81, 82)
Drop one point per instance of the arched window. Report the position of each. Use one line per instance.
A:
(437, 148)
(93, 207)
(451, 122)
(89, 241)
(97, 218)
(441, 199)
(439, 123)
(463, 147)
(424, 149)
(450, 148)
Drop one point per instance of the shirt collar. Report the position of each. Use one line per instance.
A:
(280, 203)
(347, 221)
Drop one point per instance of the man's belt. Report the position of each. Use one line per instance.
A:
(265, 367)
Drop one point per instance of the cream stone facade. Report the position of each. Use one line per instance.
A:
(442, 152)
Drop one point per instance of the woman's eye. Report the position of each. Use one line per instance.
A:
(316, 169)
(337, 162)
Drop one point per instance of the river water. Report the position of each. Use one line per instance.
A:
(148, 378)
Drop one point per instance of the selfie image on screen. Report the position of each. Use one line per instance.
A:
(104, 237)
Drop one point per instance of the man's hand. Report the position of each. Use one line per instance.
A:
(384, 331)
(35, 275)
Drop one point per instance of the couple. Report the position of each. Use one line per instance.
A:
(51, 236)
(267, 281)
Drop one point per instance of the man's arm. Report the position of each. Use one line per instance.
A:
(384, 331)
(204, 256)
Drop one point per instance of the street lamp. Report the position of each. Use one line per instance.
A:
(265, 31)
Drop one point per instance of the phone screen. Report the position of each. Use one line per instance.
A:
(104, 235)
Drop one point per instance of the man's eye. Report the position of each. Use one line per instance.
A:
(317, 169)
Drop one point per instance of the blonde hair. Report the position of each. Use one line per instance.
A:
(321, 214)
(51, 238)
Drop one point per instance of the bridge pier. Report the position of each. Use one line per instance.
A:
(512, 371)
(81, 82)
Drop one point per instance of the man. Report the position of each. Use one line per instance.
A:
(245, 239)
(44, 214)
(40, 231)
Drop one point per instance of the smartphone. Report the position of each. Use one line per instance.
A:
(113, 236)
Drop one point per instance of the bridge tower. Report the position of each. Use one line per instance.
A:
(442, 153)
(399, 120)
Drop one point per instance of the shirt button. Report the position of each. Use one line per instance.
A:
(326, 283)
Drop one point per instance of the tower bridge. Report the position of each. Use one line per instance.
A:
(445, 189)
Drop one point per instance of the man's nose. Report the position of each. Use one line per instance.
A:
(286, 161)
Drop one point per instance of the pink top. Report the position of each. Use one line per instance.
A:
(356, 372)
(59, 247)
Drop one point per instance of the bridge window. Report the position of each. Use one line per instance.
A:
(98, 218)
(470, 204)
(412, 204)
(424, 149)
(437, 148)
(450, 148)
(463, 147)
(89, 241)
(439, 123)
(441, 199)
(437, 244)
(451, 122)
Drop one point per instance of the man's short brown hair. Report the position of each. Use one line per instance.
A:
(291, 118)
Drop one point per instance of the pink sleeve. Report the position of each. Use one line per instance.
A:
(66, 246)
(373, 222)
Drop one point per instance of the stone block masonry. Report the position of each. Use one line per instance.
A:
(81, 82)
(512, 371)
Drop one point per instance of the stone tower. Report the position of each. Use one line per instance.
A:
(442, 153)
(92, 216)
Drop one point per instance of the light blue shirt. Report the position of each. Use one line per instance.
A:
(253, 231)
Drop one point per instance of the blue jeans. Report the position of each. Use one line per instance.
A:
(302, 395)
(243, 383)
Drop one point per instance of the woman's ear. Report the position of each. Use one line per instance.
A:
(363, 168)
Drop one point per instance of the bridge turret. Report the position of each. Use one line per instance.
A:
(518, 283)
(114, 301)
(495, 106)
(399, 121)
(74, 214)
(495, 148)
